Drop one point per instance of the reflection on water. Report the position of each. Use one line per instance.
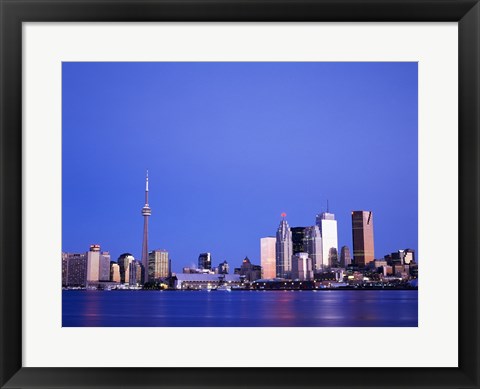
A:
(240, 309)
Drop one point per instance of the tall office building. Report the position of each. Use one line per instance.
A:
(93, 263)
(302, 267)
(205, 261)
(114, 272)
(158, 265)
(104, 272)
(267, 257)
(345, 257)
(298, 239)
(283, 249)
(328, 229)
(362, 232)
(146, 212)
(124, 261)
(75, 269)
(313, 246)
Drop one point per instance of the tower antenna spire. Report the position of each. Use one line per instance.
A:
(146, 212)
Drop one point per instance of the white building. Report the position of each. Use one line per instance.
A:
(93, 263)
(268, 257)
(328, 229)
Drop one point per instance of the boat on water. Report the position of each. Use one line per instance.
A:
(224, 288)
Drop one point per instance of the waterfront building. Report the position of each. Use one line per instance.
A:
(194, 270)
(362, 233)
(64, 269)
(124, 261)
(223, 268)
(93, 263)
(75, 267)
(104, 272)
(114, 272)
(283, 249)
(249, 270)
(205, 261)
(197, 281)
(146, 212)
(328, 229)
(267, 256)
(302, 267)
(313, 246)
(345, 257)
(158, 265)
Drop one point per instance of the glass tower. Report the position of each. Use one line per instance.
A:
(328, 229)
(362, 233)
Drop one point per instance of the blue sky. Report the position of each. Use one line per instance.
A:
(229, 147)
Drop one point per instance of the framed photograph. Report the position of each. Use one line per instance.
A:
(193, 189)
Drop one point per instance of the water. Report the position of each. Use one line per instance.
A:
(336, 308)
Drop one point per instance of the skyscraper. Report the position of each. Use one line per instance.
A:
(283, 248)
(146, 212)
(328, 229)
(313, 246)
(93, 263)
(158, 265)
(104, 273)
(205, 261)
(345, 256)
(362, 232)
(298, 239)
(267, 257)
(75, 269)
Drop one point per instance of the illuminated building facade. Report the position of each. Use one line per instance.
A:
(362, 233)
(158, 265)
(93, 263)
(328, 229)
(267, 257)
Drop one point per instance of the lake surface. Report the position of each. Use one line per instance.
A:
(335, 308)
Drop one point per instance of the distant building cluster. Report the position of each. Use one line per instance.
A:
(311, 253)
(295, 258)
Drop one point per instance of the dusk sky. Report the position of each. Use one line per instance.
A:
(229, 147)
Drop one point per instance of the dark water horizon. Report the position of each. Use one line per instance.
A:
(332, 308)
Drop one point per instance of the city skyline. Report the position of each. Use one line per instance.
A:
(192, 213)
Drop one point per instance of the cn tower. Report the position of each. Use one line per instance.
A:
(146, 212)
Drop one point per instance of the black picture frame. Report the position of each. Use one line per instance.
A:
(14, 12)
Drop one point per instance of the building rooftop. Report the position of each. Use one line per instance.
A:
(207, 277)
